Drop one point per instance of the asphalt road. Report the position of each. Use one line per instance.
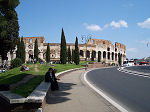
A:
(145, 69)
(130, 91)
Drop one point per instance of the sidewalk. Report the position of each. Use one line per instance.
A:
(76, 96)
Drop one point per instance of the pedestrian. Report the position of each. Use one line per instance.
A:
(55, 80)
(50, 78)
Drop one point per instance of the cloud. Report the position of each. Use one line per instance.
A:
(93, 27)
(132, 50)
(119, 24)
(145, 24)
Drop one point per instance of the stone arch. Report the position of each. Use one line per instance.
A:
(108, 49)
(108, 55)
(88, 54)
(112, 56)
(104, 55)
(99, 56)
(116, 56)
(94, 53)
(82, 53)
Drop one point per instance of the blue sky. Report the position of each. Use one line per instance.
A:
(124, 21)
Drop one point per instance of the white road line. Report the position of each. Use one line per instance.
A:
(104, 95)
(134, 73)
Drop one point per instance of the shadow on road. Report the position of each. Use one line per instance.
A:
(59, 96)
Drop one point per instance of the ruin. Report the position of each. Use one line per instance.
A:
(108, 52)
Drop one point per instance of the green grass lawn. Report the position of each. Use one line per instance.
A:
(25, 89)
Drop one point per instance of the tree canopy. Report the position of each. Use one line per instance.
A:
(9, 27)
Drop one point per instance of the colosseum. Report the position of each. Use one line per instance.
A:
(108, 52)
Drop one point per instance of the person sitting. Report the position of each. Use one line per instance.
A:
(55, 79)
(26, 68)
(50, 78)
(22, 68)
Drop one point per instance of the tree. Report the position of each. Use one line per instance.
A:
(22, 48)
(72, 55)
(9, 27)
(69, 55)
(18, 52)
(36, 50)
(99, 56)
(76, 52)
(92, 56)
(48, 54)
(63, 49)
(119, 59)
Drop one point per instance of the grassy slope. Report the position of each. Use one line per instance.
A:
(27, 88)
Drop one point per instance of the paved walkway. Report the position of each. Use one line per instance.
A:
(76, 96)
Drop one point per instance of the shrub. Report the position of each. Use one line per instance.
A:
(16, 62)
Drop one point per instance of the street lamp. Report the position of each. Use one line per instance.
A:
(85, 39)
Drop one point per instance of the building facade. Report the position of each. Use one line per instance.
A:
(109, 53)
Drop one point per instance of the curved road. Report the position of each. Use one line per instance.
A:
(130, 91)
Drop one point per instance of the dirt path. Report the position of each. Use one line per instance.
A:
(24, 80)
(36, 68)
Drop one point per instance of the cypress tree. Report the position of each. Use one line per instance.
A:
(69, 55)
(72, 55)
(36, 50)
(22, 48)
(76, 53)
(63, 50)
(18, 52)
(92, 56)
(48, 54)
(119, 59)
(99, 56)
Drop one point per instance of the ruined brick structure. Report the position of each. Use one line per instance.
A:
(109, 52)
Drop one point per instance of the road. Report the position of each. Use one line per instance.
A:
(130, 91)
(145, 69)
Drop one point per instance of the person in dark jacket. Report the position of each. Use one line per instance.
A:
(55, 80)
(49, 77)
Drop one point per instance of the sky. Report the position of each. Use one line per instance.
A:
(123, 21)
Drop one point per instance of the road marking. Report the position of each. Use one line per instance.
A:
(133, 73)
(104, 95)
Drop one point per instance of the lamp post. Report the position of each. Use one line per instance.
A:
(85, 39)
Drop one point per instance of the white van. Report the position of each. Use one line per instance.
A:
(128, 63)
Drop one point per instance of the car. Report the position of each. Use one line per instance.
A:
(128, 63)
(143, 63)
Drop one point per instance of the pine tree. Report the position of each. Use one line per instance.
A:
(18, 52)
(69, 55)
(92, 56)
(99, 56)
(36, 50)
(63, 50)
(48, 54)
(72, 55)
(76, 55)
(22, 48)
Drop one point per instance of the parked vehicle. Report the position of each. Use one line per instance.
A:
(128, 63)
(143, 63)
